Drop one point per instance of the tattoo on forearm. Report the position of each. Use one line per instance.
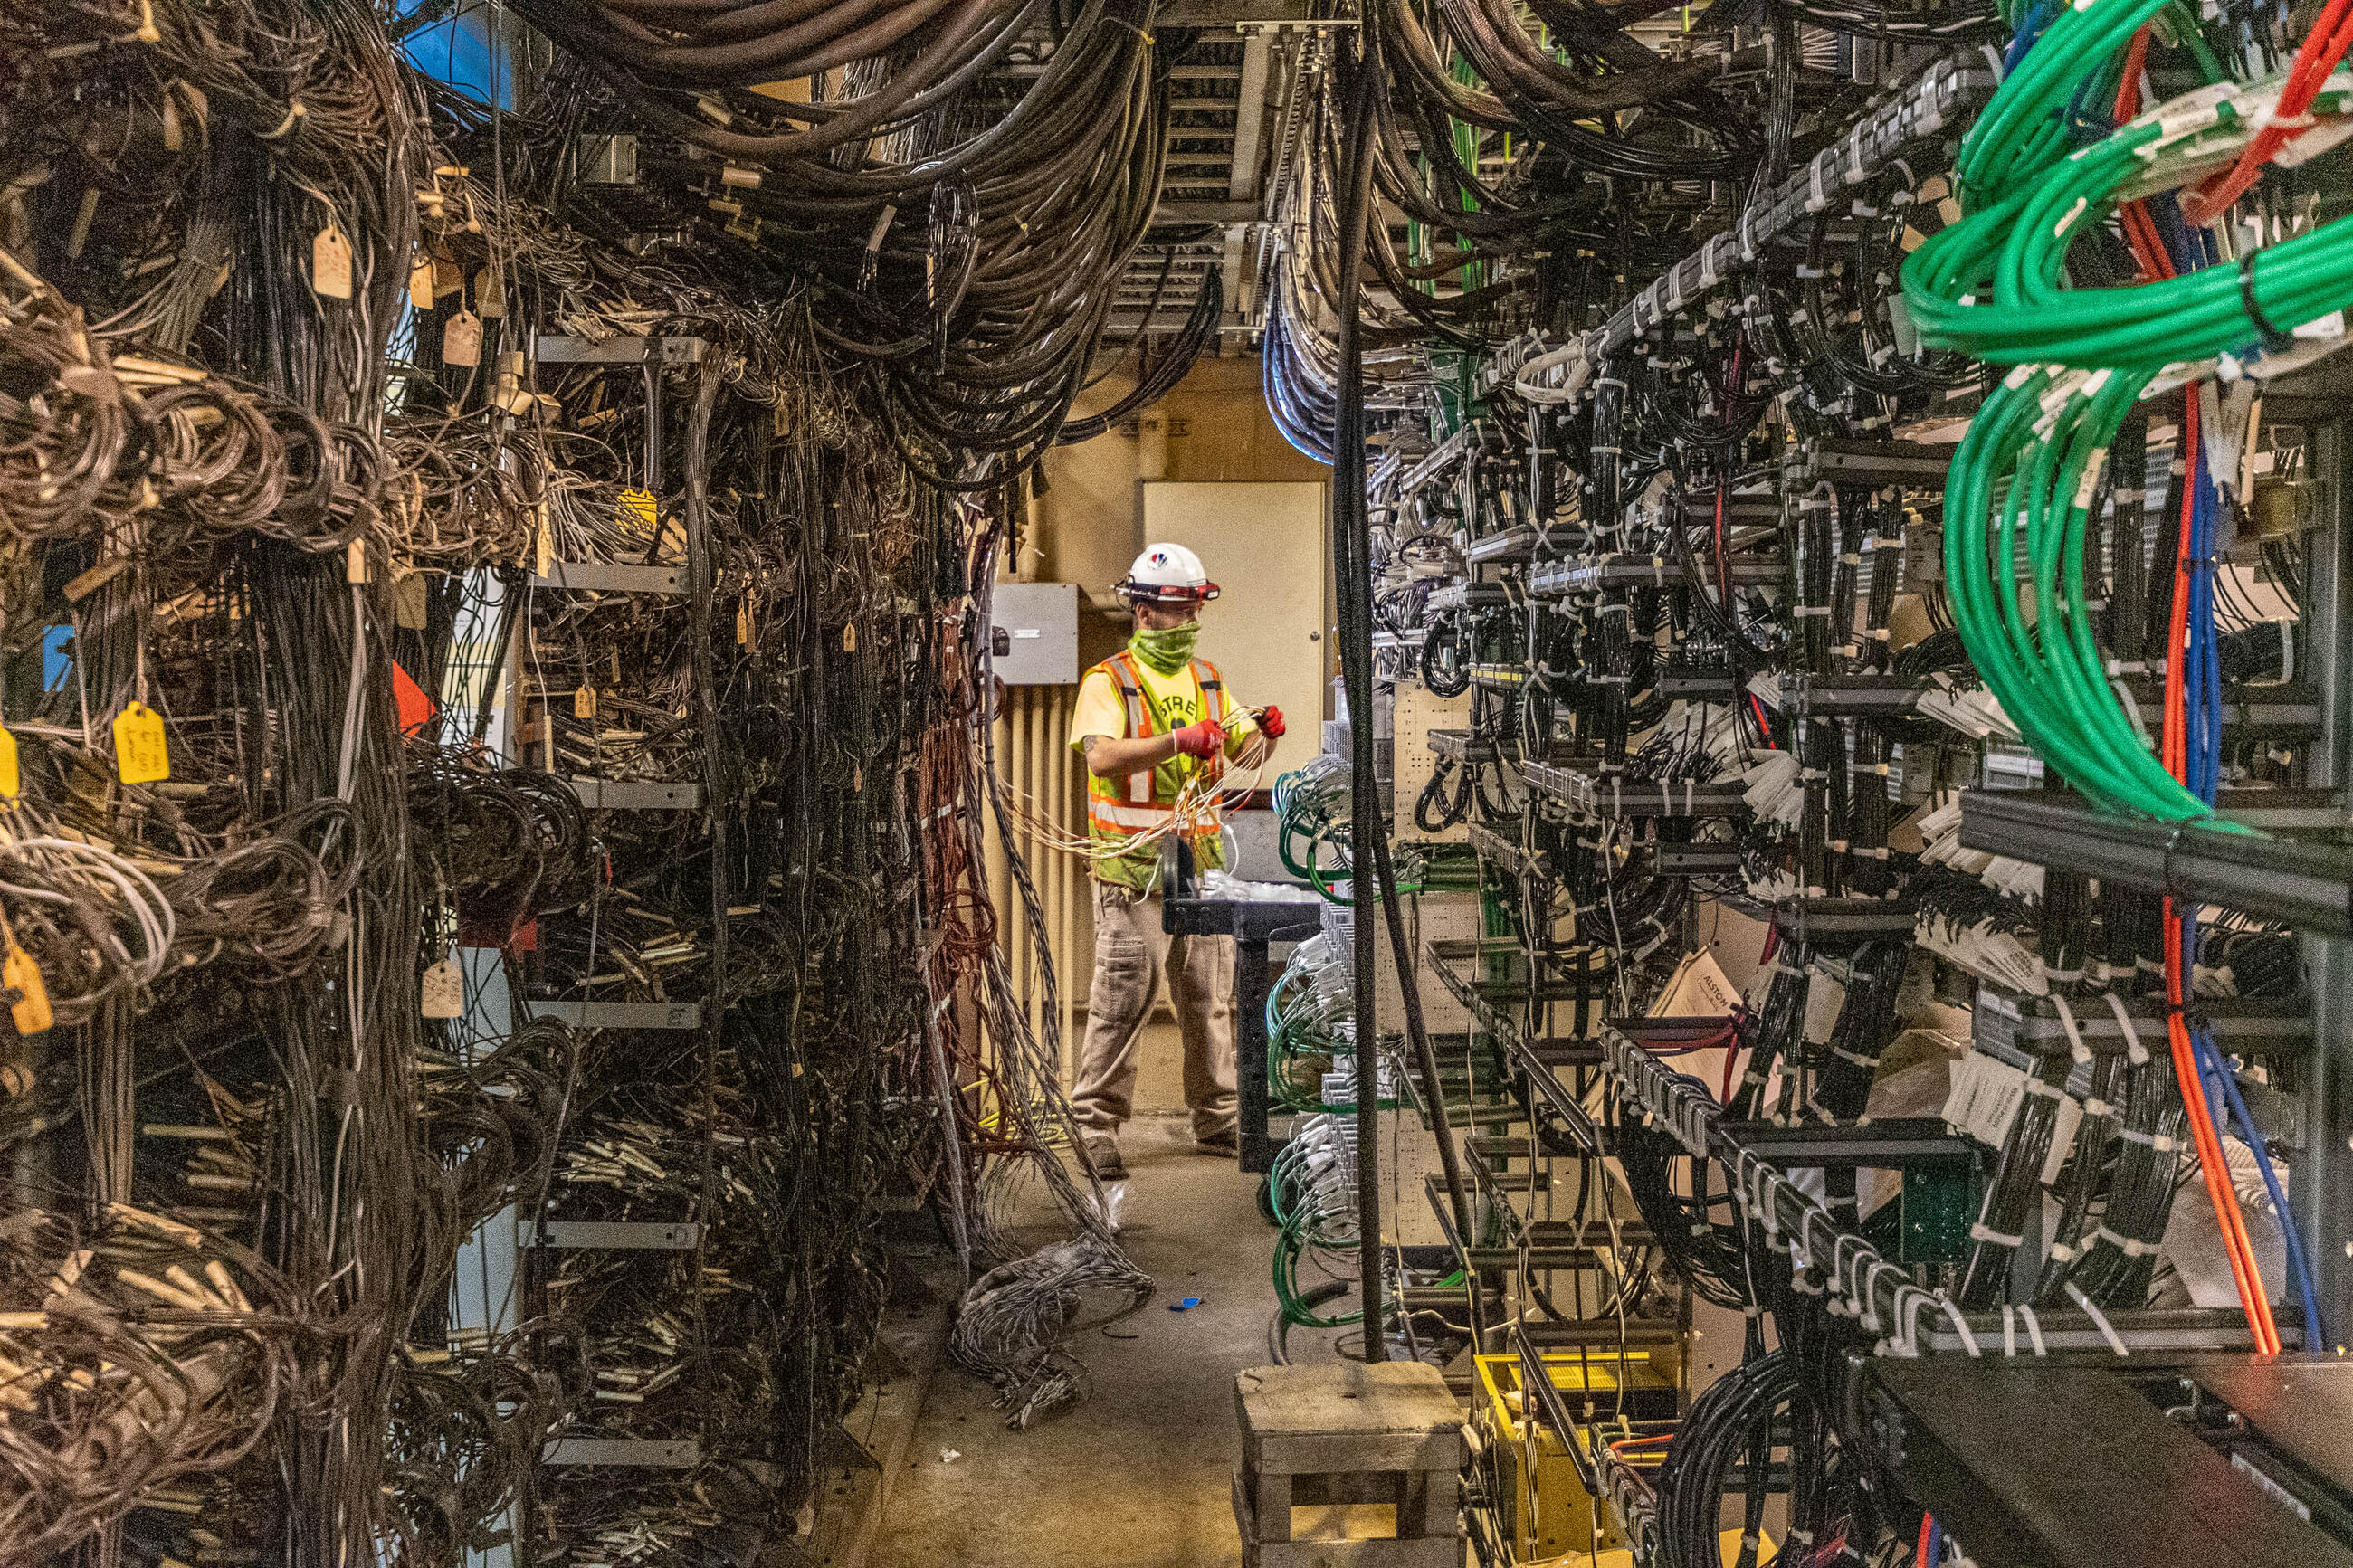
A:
(1087, 745)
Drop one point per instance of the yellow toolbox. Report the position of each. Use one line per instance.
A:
(1544, 1510)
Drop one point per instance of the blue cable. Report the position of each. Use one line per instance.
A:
(2202, 690)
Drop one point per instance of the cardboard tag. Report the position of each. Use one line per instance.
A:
(443, 994)
(544, 547)
(584, 702)
(330, 264)
(19, 974)
(849, 638)
(420, 283)
(743, 624)
(488, 298)
(449, 277)
(11, 778)
(139, 755)
(639, 512)
(355, 568)
(408, 601)
(461, 340)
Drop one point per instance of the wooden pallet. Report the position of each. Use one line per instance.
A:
(1349, 1433)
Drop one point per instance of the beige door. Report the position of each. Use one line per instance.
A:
(1266, 546)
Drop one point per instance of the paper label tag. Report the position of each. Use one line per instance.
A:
(639, 512)
(545, 546)
(849, 638)
(488, 299)
(449, 277)
(140, 756)
(19, 974)
(408, 601)
(443, 994)
(420, 283)
(356, 561)
(584, 702)
(331, 263)
(461, 340)
(743, 624)
(11, 779)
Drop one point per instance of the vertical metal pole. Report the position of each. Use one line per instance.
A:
(2323, 1173)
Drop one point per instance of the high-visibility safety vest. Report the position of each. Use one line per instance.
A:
(1120, 809)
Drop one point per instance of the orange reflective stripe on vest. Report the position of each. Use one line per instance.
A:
(1119, 809)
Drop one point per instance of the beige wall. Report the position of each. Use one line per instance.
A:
(1093, 512)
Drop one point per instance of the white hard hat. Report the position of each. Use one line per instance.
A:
(1168, 574)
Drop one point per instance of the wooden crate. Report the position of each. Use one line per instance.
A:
(1349, 1433)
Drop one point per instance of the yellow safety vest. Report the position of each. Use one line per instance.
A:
(1120, 809)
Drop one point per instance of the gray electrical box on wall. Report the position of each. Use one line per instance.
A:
(1034, 633)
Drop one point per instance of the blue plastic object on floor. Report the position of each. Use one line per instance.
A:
(1189, 1302)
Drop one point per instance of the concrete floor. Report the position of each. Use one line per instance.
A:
(1139, 1475)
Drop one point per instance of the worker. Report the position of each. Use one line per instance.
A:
(1150, 720)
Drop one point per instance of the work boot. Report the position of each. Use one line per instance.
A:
(1102, 1152)
(1226, 1140)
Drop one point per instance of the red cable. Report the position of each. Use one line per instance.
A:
(2323, 47)
(2244, 1274)
(1920, 1552)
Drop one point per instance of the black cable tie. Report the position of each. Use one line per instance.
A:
(2275, 341)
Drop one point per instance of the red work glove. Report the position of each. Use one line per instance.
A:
(1204, 739)
(1269, 723)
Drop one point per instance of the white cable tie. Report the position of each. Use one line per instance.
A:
(1960, 1326)
(2033, 1329)
(2134, 1052)
(2008, 1330)
(2075, 1045)
(1980, 1231)
(2107, 1330)
(2035, 1086)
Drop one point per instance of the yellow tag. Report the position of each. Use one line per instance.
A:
(639, 512)
(545, 548)
(330, 264)
(461, 340)
(744, 623)
(849, 638)
(139, 753)
(408, 601)
(19, 974)
(420, 283)
(11, 783)
(487, 296)
(584, 702)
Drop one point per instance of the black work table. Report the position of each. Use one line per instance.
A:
(1252, 923)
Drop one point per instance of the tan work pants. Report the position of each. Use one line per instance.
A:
(1132, 952)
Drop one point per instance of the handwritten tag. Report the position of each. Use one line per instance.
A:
(545, 548)
(19, 974)
(584, 702)
(11, 779)
(330, 264)
(408, 601)
(420, 283)
(461, 340)
(443, 994)
(140, 756)
(639, 512)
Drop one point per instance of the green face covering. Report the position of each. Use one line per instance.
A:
(1166, 652)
